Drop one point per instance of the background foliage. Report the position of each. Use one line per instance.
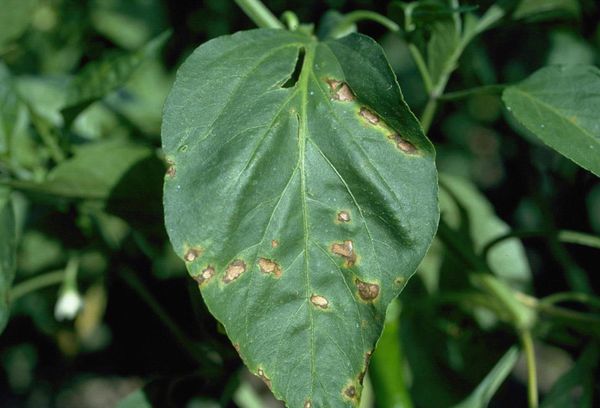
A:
(82, 84)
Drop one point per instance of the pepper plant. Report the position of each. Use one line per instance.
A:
(301, 195)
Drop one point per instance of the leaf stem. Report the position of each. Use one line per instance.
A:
(584, 298)
(566, 236)
(485, 89)
(291, 20)
(358, 15)
(37, 282)
(528, 349)
(259, 14)
(421, 66)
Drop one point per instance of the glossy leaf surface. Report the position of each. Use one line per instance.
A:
(301, 194)
(559, 104)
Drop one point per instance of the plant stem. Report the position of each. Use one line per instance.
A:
(37, 282)
(532, 389)
(421, 66)
(259, 14)
(593, 301)
(485, 89)
(358, 15)
(566, 236)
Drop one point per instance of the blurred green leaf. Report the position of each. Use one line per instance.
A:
(560, 106)
(545, 9)
(387, 369)
(15, 16)
(569, 49)
(92, 173)
(128, 23)
(576, 387)
(441, 48)
(468, 211)
(483, 394)
(98, 78)
(8, 247)
(136, 399)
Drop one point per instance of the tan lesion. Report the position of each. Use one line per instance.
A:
(346, 250)
(234, 270)
(269, 266)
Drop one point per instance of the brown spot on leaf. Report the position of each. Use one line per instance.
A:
(269, 266)
(274, 243)
(205, 275)
(346, 251)
(341, 91)
(370, 117)
(350, 392)
(171, 169)
(264, 377)
(234, 270)
(308, 404)
(343, 216)
(367, 291)
(403, 144)
(319, 301)
(191, 254)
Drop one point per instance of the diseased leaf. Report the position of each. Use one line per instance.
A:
(559, 104)
(481, 396)
(7, 253)
(301, 193)
(99, 78)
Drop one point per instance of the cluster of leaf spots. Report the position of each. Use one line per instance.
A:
(342, 92)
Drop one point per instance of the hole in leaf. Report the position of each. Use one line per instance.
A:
(297, 69)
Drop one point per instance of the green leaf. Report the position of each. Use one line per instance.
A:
(544, 9)
(136, 399)
(8, 249)
(482, 395)
(445, 40)
(94, 172)
(576, 387)
(301, 193)
(14, 19)
(466, 210)
(99, 78)
(559, 104)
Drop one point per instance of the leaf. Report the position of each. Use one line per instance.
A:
(301, 193)
(92, 173)
(7, 253)
(136, 399)
(441, 48)
(559, 104)
(14, 19)
(482, 395)
(544, 9)
(576, 387)
(468, 211)
(98, 78)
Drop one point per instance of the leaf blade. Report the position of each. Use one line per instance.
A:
(549, 104)
(288, 252)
